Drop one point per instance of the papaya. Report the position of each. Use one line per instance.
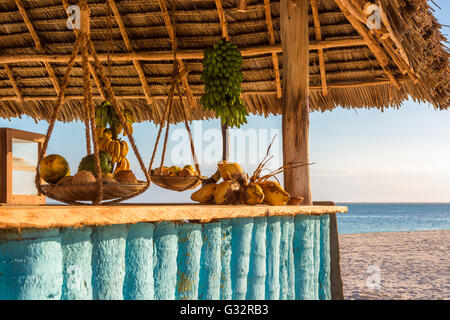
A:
(88, 163)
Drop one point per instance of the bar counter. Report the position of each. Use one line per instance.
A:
(165, 251)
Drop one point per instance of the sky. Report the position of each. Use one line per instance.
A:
(360, 155)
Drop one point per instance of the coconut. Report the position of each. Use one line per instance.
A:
(65, 180)
(205, 194)
(227, 192)
(126, 176)
(108, 178)
(252, 194)
(83, 177)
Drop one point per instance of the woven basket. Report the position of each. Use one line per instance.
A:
(176, 183)
(88, 191)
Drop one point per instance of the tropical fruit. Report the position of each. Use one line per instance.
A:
(126, 176)
(227, 192)
(83, 176)
(88, 163)
(186, 172)
(65, 181)
(232, 171)
(274, 194)
(53, 167)
(174, 170)
(222, 76)
(252, 194)
(108, 178)
(122, 165)
(205, 194)
(163, 171)
(113, 147)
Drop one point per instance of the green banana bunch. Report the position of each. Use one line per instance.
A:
(222, 77)
(105, 114)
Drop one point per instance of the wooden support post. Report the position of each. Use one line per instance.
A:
(295, 44)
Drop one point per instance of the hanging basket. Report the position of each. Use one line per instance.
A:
(100, 191)
(194, 179)
(176, 183)
(88, 191)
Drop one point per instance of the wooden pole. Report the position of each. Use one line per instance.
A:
(295, 118)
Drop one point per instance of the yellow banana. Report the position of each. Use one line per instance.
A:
(127, 164)
(110, 148)
(124, 148)
(118, 150)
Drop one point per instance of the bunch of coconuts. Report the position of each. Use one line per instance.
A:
(237, 188)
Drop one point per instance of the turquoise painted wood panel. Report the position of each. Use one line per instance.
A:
(246, 258)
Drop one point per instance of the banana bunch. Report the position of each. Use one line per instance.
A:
(222, 76)
(105, 114)
(122, 165)
(118, 149)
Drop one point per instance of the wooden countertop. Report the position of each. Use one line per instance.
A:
(52, 216)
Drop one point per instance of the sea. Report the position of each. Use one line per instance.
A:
(393, 217)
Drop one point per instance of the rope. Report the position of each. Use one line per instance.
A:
(89, 105)
(188, 129)
(169, 108)
(122, 120)
(166, 114)
(59, 102)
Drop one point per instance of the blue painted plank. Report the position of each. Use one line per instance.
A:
(291, 262)
(316, 244)
(77, 263)
(189, 251)
(240, 256)
(273, 258)
(210, 271)
(304, 258)
(108, 261)
(138, 282)
(225, 278)
(324, 272)
(257, 273)
(284, 256)
(165, 272)
(31, 265)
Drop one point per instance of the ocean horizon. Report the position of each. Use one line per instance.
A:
(368, 217)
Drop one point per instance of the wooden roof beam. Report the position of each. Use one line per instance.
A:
(38, 44)
(181, 54)
(323, 77)
(183, 73)
(13, 82)
(336, 85)
(373, 45)
(276, 66)
(136, 63)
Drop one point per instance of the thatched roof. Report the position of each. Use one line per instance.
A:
(350, 66)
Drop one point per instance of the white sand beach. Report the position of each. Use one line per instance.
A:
(412, 265)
